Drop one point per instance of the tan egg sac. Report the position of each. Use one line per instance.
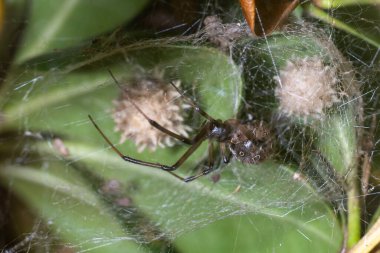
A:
(223, 35)
(160, 102)
(306, 87)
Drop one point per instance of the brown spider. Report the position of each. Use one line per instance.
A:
(248, 142)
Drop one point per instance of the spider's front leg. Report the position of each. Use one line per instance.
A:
(198, 139)
(210, 165)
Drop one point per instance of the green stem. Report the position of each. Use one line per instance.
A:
(353, 226)
(326, 4)
(369, 241)
(322, 15)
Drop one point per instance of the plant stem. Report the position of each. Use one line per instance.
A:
(341, 3)
(353, 220)
(322, 15)
(369, 241)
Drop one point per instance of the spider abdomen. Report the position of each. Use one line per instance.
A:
(251, 143)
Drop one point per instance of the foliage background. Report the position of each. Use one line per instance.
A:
(54, 62)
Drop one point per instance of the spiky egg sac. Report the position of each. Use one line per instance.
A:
(160, 102)
(306, 87)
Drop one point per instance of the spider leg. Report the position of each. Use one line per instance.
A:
(210, 166)
(196, 107)
(226, 154)
(153, 123)
(211, 157)
(198, 139)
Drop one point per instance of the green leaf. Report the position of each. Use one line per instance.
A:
(89, 89)
(58, 103)
(338, 142)
(69, 208)
(272, 198)
(56, 25)
(260, 233)
(61, 102)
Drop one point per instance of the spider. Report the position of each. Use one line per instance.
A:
(249, 142)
